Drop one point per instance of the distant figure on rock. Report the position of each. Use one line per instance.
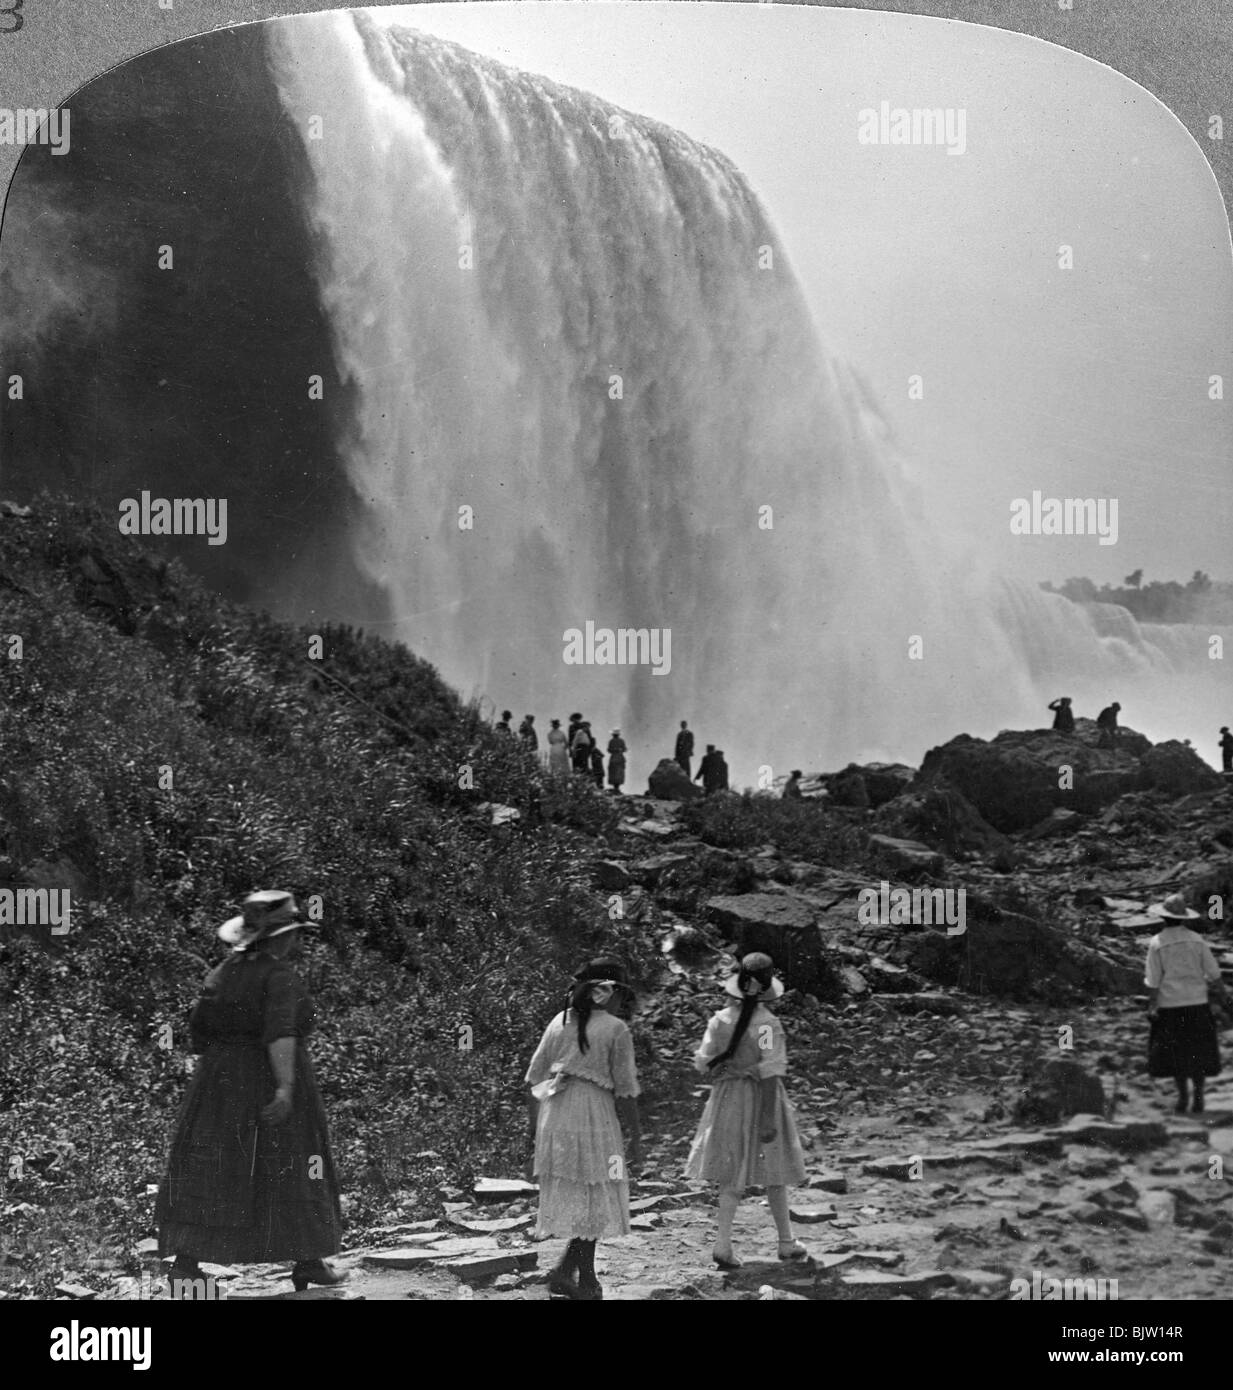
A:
(721, 771)
(526, 732)
(1226, 749)
(684, 746)
(1106, 722)
(792, 787)
(558, 750)
(1063, 715)
(597, 765)
(616, 761)
(1181, 975)
(580, 748)
(502, 724)
(584, 1086)
(747, 1136)
(706, 770)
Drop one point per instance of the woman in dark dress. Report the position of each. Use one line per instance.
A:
(616, 761)
(250, 1178)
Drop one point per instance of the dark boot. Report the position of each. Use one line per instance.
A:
(1196, 1107)
(1180, 1083)
(561, 1279)
(315, 1272)
(588, 1285)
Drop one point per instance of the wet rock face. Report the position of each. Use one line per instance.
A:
(1017, 779)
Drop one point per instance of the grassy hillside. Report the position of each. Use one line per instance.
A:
(163, 753)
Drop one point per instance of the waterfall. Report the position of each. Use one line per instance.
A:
(581, 325)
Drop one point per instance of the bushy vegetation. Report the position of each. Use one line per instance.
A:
(801, 829)
(168, 753)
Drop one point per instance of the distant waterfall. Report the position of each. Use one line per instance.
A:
(580, 325)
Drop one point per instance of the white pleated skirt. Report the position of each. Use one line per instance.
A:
(580, 1164)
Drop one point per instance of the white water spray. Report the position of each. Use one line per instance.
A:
(581, 326)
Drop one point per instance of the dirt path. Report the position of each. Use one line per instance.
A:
(920, 1190)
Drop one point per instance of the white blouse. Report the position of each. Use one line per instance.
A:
(762, 1052)
(608, 1060)
(1180, 965)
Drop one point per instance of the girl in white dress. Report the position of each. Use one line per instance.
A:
(583, 1089)
(747, 1136)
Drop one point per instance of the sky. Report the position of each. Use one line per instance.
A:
(1089, 382)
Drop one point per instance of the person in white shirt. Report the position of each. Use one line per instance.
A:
(1181, 974)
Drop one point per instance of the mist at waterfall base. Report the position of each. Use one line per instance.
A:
(606, 244)
(601, 247)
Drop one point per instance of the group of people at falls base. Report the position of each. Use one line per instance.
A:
(250, 1177)
(1106, 722)
(577, 750)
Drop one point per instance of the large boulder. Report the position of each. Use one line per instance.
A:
(941, 818)
(848, 788)
(1009, 953)
(669, 783)
(1016, 779)
(870, 784)
(782, 926)
(1177, 770)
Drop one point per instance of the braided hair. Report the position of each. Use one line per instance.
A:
(578, 997)
(752, 985)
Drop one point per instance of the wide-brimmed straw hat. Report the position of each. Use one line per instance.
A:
(754, 964)
(1173, 909)
(271, 912)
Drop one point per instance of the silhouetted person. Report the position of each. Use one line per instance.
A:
(1063, 715)
(1106, 722)
(580, 748)
(575, 723)
(713, 770)
(597, 765)
(526, 732)
(1226, 749)
(684, 747)
(616, 761)
(792, 787)
(502, 725)
(706, 768)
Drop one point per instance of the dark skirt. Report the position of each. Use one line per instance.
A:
(237, 1191)
(1182, 1042)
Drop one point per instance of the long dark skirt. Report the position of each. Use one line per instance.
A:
(1182, 1042)
(237, 1191)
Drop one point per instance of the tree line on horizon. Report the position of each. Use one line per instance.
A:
(1161, 601)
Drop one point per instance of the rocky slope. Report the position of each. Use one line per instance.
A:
(945, 1161)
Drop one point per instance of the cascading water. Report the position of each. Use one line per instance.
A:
(581, 325)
